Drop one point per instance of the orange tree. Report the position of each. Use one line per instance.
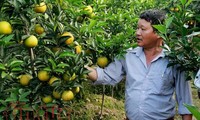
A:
(181, 32)
(41, 68)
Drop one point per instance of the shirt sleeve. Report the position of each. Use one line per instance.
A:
(183, 92)
(112, 74)
(197, 80)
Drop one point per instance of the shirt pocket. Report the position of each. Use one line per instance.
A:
(161, 83)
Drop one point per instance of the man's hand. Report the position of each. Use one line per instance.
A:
(187, 117)
(92, 75)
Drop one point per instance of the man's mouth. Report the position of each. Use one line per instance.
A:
(138, 39)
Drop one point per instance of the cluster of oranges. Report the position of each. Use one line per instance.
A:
(44, 76)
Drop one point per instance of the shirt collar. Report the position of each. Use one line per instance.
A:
(139, 50)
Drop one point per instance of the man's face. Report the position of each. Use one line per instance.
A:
(145, 35)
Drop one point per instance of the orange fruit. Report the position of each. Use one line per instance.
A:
(66, 76)
(92, 15)
(76, 89)
(43, 75)
(53, 79)
(5, 27)
(31, 41)
(69, 40)
(67, 95)
(176, 9)
(39, 29)
(56, 94)
(78, 49)
(47, 99)
(25, 79)
(88, 9)
(102, 61)
(73, 76)
(41, 8)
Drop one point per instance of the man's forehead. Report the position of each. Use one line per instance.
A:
(144, 23)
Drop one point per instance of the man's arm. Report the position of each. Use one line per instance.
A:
(187, 117)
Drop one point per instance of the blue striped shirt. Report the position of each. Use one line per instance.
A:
(149, 89)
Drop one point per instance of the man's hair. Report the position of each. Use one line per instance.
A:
(153, 16)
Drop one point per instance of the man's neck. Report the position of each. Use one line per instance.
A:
(151, 53)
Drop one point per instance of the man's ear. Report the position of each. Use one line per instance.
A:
(158, 36)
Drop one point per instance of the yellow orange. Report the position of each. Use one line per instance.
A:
(102, 61)
(31, 41)
(47, 99)
(56, 94)
(5, 27)
(67, 95)
(43, 75)
(69, 40)
(39, 29)
(53, 79)
(73, 76)
(76, 89)
(25, 79)
(176, 9)
(66, 76)
(41, 8)
(88, 9)
(78, 49)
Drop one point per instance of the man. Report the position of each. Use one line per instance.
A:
(150, 83)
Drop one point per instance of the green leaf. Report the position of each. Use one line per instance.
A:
(15, 63)
(169, 21)
(47, 69)
(62, 65)
(2, 108)
(6, 39)
(92, 24)
(183, 2)
(17, 69)
(59, 70)
(23, 99)
(194, 110)
(67, 54)
(41, 112)
(52, 63)
(160, 28)
(48, 50)
(188, 2)
(11, 100)
(27, 107)
(98, 30)
(3, 102)
(23, 96)
(2, 67)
